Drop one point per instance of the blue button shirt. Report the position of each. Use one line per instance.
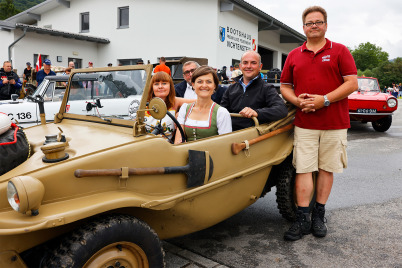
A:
(244, 85)
(41, 75)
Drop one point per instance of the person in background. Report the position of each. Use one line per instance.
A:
(250, 96)
(204, 117)
(27, 75)
(185, 89)
(395, 90)
(9, 82)
(45, 71)
(229, 73)
(317, 78)
(162, 67)
(109, 65)
(71, 65)
(67, 71)
(224, 74)
(90, 64)
(236, 72)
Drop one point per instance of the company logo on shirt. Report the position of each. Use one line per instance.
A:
(222, 33)
(326, 58)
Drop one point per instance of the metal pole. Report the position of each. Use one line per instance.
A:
(10, 46)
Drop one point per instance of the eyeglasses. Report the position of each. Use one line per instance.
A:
(188, 72)
(318, 23)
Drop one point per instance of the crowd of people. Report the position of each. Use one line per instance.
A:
(395, 90)
(203, 106)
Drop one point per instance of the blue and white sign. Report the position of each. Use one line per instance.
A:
(222, 34)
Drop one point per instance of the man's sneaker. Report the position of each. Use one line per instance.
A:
(318, 227)
(302, 226)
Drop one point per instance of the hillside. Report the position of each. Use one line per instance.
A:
(22, 5)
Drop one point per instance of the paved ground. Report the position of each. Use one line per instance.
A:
(360, 236)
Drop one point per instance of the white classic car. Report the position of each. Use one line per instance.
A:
(92, 94)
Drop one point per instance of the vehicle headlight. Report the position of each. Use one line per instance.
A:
(391, 102)
(25, 193)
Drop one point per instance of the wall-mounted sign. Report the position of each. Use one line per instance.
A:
(236, 39)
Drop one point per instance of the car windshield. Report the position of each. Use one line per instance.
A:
(106, 94)
(39, 89)
(368, 84)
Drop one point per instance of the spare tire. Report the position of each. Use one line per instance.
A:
(14, 149)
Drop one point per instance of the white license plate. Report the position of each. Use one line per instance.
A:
(367, 111)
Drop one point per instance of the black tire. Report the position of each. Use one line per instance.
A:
(285, 197)
(131, 242)
(12, 155)
(383, 124)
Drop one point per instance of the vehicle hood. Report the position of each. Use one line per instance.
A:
(372, 96)
(84, 138)
(18, 101)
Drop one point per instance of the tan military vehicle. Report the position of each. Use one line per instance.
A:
(95, 189)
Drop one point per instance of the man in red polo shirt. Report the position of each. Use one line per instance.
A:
(317, 78)
(162, 67)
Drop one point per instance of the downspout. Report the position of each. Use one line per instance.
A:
(10, 46)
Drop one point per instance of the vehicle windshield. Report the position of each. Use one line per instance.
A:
(106, 94)
(368, 84)
(39, 88)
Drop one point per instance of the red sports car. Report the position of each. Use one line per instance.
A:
(369, 104)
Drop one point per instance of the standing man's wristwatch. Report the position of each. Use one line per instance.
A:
(326, 101)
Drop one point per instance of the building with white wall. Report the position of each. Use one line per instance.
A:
(124, 31)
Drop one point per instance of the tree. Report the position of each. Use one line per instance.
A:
(7, 9)
(369, 56)
(389, 72)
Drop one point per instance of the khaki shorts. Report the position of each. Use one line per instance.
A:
(320, 149)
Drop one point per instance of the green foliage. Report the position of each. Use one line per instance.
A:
(389, 72)
(369, 56)
(7, 9)
(25, 4)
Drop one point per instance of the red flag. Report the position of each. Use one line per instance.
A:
(38, 63)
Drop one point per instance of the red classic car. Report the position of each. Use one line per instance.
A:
(369, 104)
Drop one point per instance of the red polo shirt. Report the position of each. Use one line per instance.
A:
(320, 73)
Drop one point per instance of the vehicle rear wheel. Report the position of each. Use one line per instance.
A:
(285, 189)
(382, 124)
(109, 241)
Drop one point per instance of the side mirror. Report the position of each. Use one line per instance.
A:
(157, 108)
(14, 97)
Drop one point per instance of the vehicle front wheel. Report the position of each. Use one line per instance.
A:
(109, 241)
(285, 189)
(382, 124)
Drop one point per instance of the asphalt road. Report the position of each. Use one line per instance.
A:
(364, 215)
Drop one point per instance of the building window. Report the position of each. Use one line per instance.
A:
(123, 17)
(84, 22)
(128, 61)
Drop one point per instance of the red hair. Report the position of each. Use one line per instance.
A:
(162, 77)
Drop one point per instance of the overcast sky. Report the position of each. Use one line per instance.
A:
(350, 22)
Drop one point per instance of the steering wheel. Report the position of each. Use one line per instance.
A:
(159, 129)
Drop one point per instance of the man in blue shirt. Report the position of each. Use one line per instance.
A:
(44, 72)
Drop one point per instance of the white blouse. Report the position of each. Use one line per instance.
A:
(223, 120)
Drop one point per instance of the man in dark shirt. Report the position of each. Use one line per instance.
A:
(251, 96)
(9, 82)
(185, 90)
(27, 74)
(44, 72)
